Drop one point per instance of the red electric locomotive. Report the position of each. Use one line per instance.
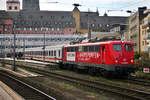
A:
(110, 57)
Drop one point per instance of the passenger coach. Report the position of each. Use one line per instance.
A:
(50, 53)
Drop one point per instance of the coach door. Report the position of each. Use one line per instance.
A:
(103, 49)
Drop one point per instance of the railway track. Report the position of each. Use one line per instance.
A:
(132, 80)
(141, 82)
(123, 91)
(26, 91)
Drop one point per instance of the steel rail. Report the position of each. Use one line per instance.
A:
(29, 86)
(131, 93)
(74, 80)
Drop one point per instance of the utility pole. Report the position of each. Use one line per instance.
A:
(89, 30)
(14, 48)
(44, 48)
(3, 63)
(44, 29)
(24, 47)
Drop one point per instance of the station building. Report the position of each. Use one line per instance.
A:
(145, 32)
(64, 25)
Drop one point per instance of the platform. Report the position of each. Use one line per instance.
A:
(7, 93)
(20, 72)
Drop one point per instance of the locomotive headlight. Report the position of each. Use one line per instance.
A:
(116, 61)
(132, 60)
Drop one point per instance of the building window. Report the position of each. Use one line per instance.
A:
(41, 17)
(62, 17)
(133, 28)
(52, 17)
(58, 29)
(15, 7)
(10, 8)
(39, 29)
(100, 25)
(35, 29)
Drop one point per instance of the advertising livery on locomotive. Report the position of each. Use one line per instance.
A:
(107, 57)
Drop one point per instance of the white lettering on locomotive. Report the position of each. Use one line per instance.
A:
(71, 56)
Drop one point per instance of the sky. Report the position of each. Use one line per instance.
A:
(111, 7)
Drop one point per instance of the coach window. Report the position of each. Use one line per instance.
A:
(49, 53)
(59, 53)
(68, 49)
(41, 53)
(54, 53)
(46, 53)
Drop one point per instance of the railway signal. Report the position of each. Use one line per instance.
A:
(146, 70)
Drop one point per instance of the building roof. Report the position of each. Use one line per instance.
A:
(76, 9)
(44, 18)
(65, 19)
(31, 5)
(13, 1)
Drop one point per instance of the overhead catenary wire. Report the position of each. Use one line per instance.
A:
(133, 4)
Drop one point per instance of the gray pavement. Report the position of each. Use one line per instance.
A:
(4, 95)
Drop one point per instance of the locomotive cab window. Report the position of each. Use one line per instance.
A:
(91, 48)
(128, 47)
(117, 47)
(72, 49)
